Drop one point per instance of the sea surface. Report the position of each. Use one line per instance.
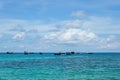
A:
(97, 66)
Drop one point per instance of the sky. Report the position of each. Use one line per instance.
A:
(60, 25)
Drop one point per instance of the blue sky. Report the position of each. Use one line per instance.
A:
(60, 25)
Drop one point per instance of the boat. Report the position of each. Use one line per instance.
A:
(25, 52)
(70, 53)
(57, 53)
(40, 53)
(9, 52)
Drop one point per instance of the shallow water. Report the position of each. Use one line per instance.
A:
(50, 67)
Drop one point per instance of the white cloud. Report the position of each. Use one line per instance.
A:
(11, 26)
(19, 36)
(71, 24)
(87, 32)
(111, 42)
(78, 14)
(101, 25)
(8, 25)
(113, 45)
(82, 37)
(17, 28)
(71, 35)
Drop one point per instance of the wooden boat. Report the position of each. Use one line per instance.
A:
(25, 52)
(9, 52)
(70, 53)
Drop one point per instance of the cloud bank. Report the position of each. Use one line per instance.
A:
(81, 31)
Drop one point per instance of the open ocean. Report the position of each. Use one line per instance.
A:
(97, 66)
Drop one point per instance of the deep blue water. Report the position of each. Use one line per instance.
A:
(97, 66)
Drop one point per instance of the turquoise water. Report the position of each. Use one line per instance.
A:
(97, 66)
